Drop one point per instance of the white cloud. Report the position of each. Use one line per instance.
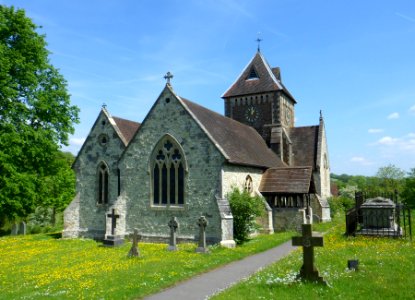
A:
(412, 110)
(393, 116)
(387, 140)
(375, 130)
(405, 143)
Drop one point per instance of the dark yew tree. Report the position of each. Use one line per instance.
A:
(36, 115)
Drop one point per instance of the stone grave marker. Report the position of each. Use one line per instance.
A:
(173, 224)
(15, 229)
(308, 242)
(202, 222)
(113, 240)
(134, 251)
(22, 228)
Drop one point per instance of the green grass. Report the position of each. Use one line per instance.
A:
(40, 266)
(386, 271)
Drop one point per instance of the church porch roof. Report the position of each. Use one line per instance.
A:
(292, 180)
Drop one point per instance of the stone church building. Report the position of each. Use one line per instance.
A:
(184, 159)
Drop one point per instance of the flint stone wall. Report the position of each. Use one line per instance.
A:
(204, 165)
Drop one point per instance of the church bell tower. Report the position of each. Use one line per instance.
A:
(259, 99)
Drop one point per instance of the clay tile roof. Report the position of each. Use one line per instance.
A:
(127, 128)
(294, 180)
(304, 145)
(269, 79)
(239, 143)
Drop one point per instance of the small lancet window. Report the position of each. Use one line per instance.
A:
(103, 175)
(248, 187)
(168, 173)
(252, 74)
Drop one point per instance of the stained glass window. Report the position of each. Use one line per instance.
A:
(168, 173)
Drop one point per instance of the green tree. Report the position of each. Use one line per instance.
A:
(408, 191)
(60, 184)
(36, 116)
(245, 209)
(390, 178)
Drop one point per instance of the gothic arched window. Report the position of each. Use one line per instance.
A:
(103, 175)
(248, 184)
(168, 173)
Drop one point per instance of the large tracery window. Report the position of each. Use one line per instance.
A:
(168, 173)
(102, 183)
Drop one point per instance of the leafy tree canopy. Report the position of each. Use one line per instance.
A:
(36, 115)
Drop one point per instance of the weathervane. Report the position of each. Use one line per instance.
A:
(168, 76)
(258, 40)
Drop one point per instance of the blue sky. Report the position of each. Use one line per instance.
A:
(354, 60)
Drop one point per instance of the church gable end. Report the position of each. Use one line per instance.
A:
(171, 167)
(97, 174)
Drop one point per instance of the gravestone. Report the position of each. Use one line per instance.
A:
(113, 240)
(173, 224)
(308, 242)
(22, 228)
(15, 229)
(202, 223)
(134, 251)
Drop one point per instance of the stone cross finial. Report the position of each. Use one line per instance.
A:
(134, 248)
(308, 242)
(104, 106)
(114, 218)
(202, 222)
(173, 224)
(168, 76)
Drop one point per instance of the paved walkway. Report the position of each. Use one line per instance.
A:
(207, 284)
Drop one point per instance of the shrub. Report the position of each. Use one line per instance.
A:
(245, 208)
(340, 205)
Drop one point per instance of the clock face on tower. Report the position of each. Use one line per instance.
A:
(251, 114)
(287, 115)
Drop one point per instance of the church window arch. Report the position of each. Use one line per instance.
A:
(168, 173)
(103, 179)
(248, 186)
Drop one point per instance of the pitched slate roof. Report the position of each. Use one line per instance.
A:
(127, 128)
(304, 145)
(293, 180)
(239, 143)
(268, 79)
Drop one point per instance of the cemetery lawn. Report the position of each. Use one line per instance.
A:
(386, 271)
(41, 266)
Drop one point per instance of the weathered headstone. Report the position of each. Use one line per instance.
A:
(114, 218)
(134, 251)
(22, 228)
(15, 229)
(308, 242)
(202, 222)
(113, 240)
(173, 224)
